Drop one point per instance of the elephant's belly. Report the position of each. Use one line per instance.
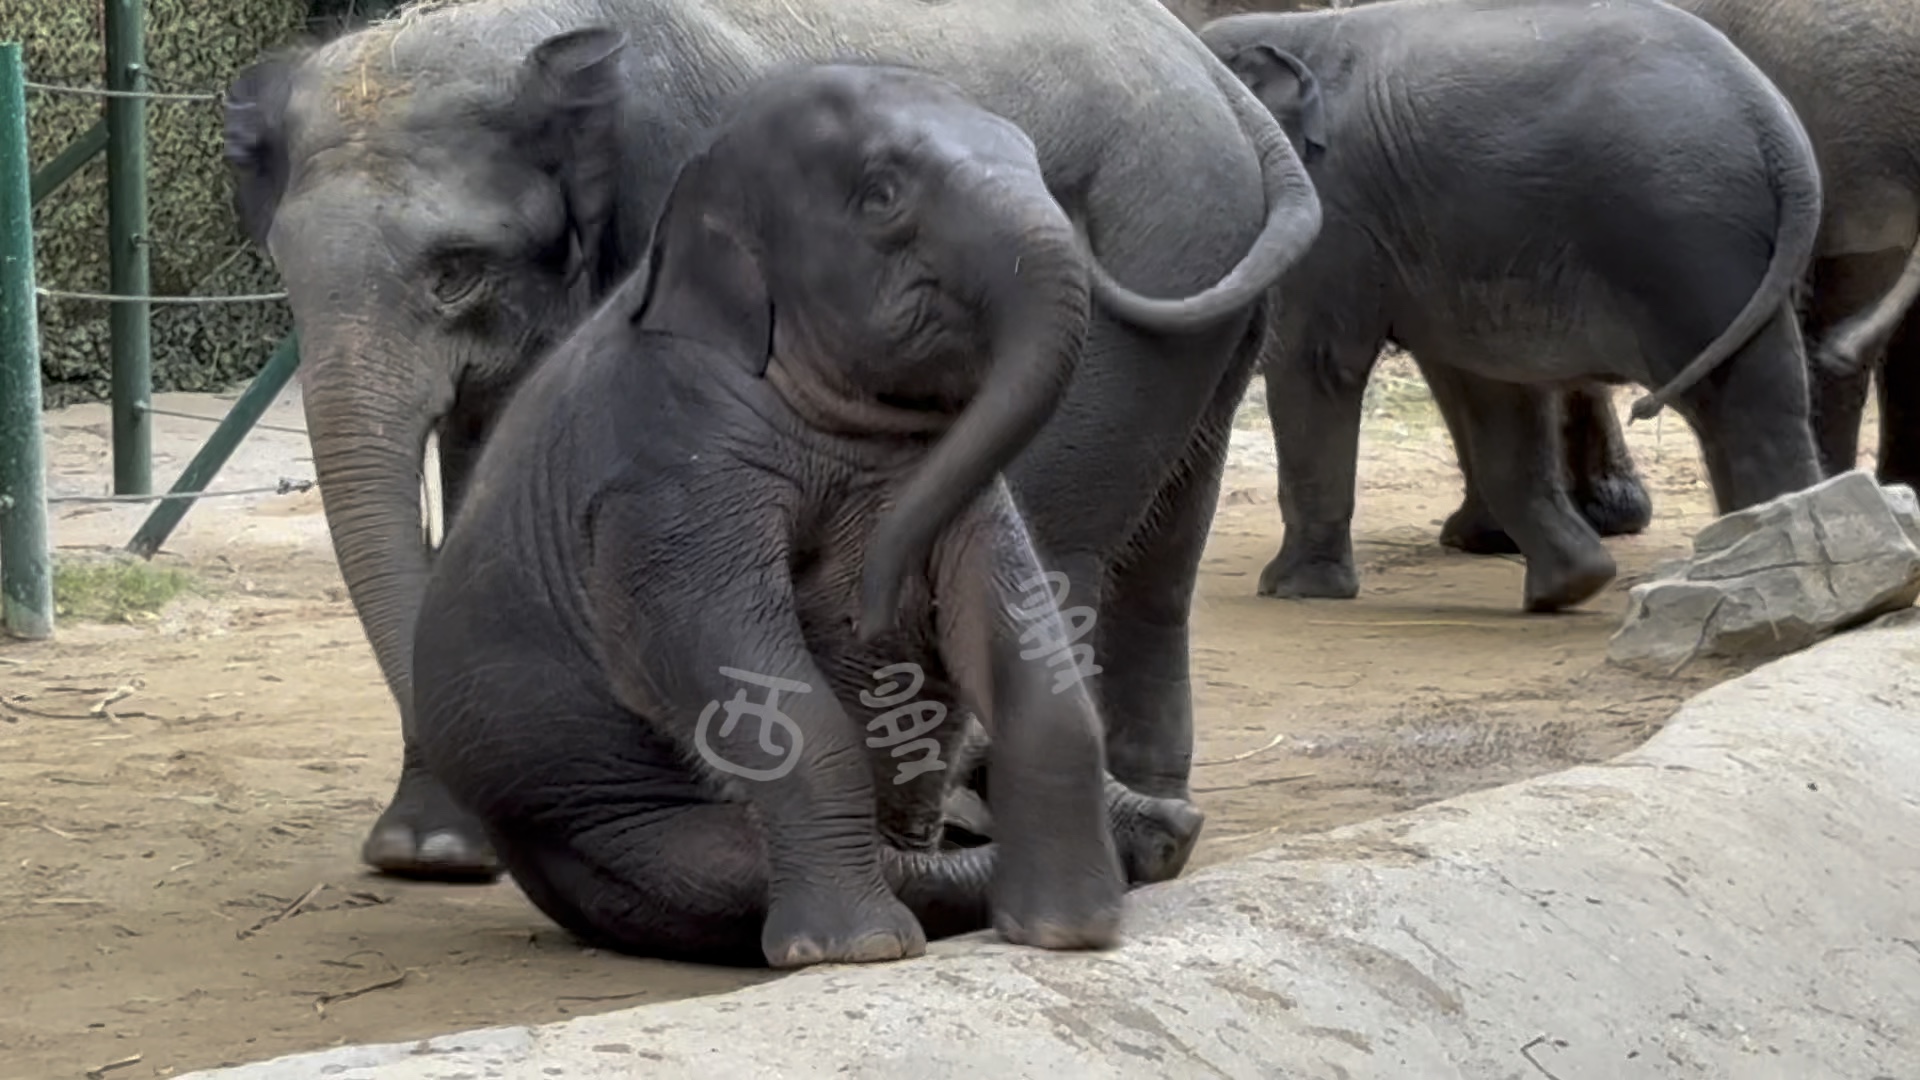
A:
(1511, 333)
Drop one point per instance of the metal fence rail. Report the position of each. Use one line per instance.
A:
(26, 597)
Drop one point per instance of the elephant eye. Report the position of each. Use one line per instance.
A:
(457, 277)
(880, 195)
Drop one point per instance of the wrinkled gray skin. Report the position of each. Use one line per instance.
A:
(1525, 193)
(1851, 70)
(441, 210)
(778, 449)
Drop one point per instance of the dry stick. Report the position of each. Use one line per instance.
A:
(1244, 755)
(287, 912)
(320, 1004)
(101, 1070)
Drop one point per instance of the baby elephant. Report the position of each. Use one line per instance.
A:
(739, 560)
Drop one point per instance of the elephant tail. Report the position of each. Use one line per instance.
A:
(1292, 224)
(1851, 345)
(1797, 190)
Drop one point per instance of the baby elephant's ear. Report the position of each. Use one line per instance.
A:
(1286, 86)
(706, 282)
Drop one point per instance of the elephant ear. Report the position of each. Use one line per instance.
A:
(705, 280)
(256, 141)
(1286, 86)
(568, 106)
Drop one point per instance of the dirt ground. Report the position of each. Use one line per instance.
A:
(181, 883)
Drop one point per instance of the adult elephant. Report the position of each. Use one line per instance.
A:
(1851, 70)
(442, 204)
(1511, 193)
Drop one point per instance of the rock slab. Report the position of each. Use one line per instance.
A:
(1777, 577)
(1739, 899)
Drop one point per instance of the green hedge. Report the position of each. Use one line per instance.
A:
(197, 248)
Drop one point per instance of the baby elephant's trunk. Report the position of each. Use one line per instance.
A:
(1037, 307)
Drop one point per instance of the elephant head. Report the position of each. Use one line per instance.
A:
(437, 223)
(889, 254)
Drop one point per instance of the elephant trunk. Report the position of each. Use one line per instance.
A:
(368, 414)
(1037, 308)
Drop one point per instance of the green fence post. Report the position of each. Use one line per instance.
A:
(26, 574)
(220, 446)
(129, 321)
(69, 161)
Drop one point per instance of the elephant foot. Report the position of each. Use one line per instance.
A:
(1553, 585)
(1154, 837)
(1472, 529)
(1287, 578)
(1616, 505)
(821, 925)
(1045, 901)
(424, 834)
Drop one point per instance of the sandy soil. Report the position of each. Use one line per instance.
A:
(181, 885)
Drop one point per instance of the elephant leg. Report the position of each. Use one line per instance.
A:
(1899, 398)
(423, 833)
(1314, 396)
(1752, 417)
(1841, 287)
(1516, 454)
(1605, 485)
(604, 828)
(1143, 628)
(1153, 836)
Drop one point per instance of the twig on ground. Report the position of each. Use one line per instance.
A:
(603, 997)
(1256, 834)
(1256, 783)
(63, 834)
(320, 1004)
(1527, 1052)
(287, 912)
(1245, 754)
(99, 1071)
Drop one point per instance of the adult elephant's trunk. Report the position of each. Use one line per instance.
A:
(369, 408)
(1292, 225)
(1038, 309)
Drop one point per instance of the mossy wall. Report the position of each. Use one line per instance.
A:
(196, 246)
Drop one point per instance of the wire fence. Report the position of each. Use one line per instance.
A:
(286, 485)
(119, 298)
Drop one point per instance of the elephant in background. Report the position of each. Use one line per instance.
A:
(1851, 71)
(1518, 192)
(771, 460)
(443, 201)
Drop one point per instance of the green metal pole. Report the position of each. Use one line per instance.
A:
(129, 321)
(69, 161)
(220, 446)
(26, 574)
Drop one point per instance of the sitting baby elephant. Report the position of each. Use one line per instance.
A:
(1528, 194)
(764, 478)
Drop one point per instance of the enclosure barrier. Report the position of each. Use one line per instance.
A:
(26, 574)
(25, 566)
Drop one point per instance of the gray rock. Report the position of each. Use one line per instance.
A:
(1777, 577)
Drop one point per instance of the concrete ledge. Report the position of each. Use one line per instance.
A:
(1739, 898)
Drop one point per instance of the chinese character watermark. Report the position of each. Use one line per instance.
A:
(905, 741)
(767, 713)
(1047, 592)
